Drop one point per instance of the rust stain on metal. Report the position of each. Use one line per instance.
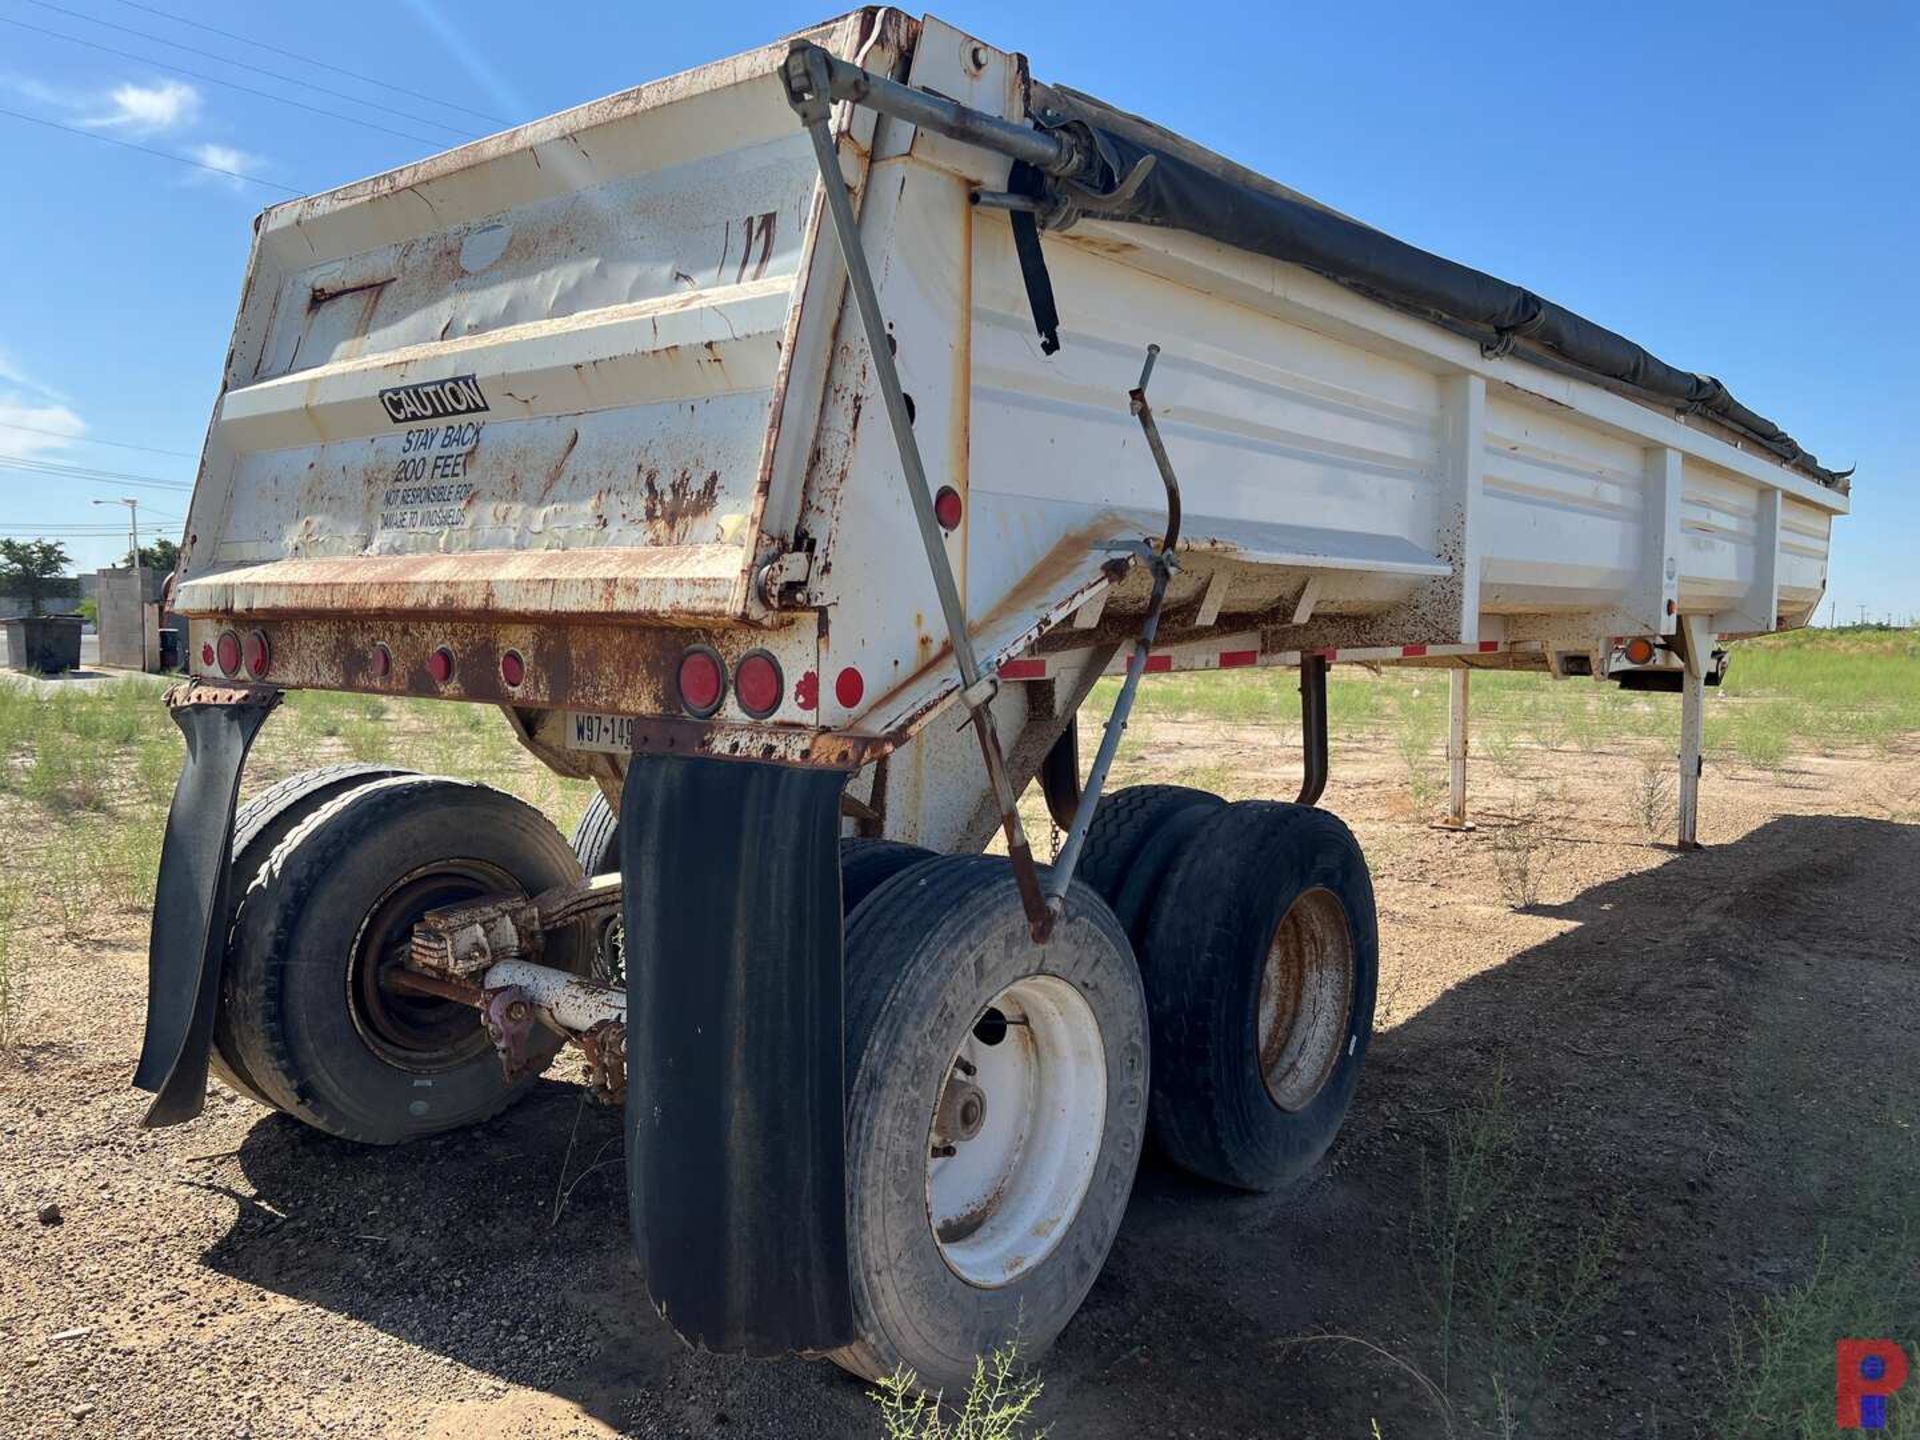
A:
(673, 511)
(213, 692)
(605, 1049)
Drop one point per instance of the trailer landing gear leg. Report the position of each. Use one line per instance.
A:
(736, 1168)
(190, 903)
(1456, 816)
(1696, 649)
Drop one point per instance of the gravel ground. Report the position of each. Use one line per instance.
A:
(1679, 1039)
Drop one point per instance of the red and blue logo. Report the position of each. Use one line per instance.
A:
(1865, 1374)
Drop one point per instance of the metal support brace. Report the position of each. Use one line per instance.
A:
(1313, 729)
(810, 75)
(1696, 648)
(1061, 875)
(1456, 817)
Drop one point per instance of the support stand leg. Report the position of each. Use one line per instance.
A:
(1456, 817)
(1696, 645)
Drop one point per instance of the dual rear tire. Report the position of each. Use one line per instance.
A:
(330, 873)
(1255, 930)
(1235, 945)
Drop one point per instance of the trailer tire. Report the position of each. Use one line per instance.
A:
(596, 845)
(1261, 961)
(1134, 838)
(867, 864)
(596, 839)
(320, 1038)
(929, 956)
(260, 825)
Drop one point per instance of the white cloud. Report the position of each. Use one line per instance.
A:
(34, 419)
(224, 157)
(45, 429)
(41, 93)
(149, 109)
(13, 376)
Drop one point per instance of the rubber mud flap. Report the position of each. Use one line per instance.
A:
(190, 902)
(736, 1142)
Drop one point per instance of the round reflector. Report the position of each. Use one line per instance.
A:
(227, 652)
(848, 688)
(513, 669)
(259, 654)
(380, 662)
(206, 654)
(702, 680)
(757, 683)
(440, 665)
(1639, 650)
(947, 508)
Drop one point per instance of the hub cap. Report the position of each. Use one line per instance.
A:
(1016, 1131)
(1306, 997)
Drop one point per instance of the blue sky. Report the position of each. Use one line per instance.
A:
(1733, 185)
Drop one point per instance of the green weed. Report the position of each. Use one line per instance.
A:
(998, 1405)
(1508, 1294)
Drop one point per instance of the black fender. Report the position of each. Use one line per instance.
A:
(736, 1141)
(191, 900)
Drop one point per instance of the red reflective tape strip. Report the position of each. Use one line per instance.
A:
(1329, 655)
(1229, 659)
(1159, 662)
(1488, 645)
(1409, 651)
(1023, 670)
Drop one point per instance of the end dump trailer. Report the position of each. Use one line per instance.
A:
(787, 447)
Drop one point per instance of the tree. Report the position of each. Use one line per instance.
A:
(33, 570)
(162, 555)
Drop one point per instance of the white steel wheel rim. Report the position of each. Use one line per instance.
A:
(1306, 998)
(999, 1202)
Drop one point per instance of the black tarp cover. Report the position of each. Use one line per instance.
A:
(1189, 188)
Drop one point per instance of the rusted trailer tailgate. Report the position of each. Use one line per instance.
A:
(536, 376)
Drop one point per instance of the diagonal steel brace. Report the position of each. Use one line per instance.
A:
(807, 75)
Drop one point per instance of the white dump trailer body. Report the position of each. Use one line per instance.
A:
(591, 390)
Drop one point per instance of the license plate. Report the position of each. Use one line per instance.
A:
(607, 734)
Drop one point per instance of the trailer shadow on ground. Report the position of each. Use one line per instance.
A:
(1673, 1072)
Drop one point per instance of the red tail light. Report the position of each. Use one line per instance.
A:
(259, 654)
(758, 684)
(513, 669)
(440, 665)
(849, 688)
(947, 507)
(702, 680)
(227, 653)
(380, 662)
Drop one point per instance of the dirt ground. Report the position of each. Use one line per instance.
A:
(1693, 1052)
